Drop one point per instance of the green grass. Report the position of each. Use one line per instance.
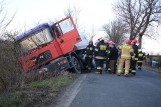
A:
(53, 83)
(11, 101)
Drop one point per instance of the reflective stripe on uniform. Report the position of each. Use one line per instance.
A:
(99, 57)
(133, 71)
(108, 52)
(139, 61)
(126, 47)
(103, 47)
(136, 58)
(140, 55)
(139, 66)
(133, 57)
(89, 68)
(99, 68)
(126, 72)
(97, 72)
(91, 48)
(89, 56)
(119, 71)
(96, 49)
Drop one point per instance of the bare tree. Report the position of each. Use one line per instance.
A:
(139, 15)
(5, 21)
(116, 30)
(92, 33)
(74, 12)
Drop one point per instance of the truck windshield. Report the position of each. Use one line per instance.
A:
(36, 40)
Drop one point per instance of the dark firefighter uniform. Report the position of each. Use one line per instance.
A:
(107, 62)
(101, 55)
(113, 58)
(141, 57)
(134, 59)
(89, 52)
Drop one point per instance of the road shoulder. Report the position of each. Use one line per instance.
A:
(66, 97)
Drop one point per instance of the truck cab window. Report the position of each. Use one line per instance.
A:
(66, 26)
(36, 40)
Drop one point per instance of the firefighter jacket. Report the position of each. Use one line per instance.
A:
(135, 48)
(90, 50)
(141, 56)
(113, 53)
(102, 50)
(126, 51)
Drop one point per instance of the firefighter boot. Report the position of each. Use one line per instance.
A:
(126, 73)
(89, 69)
(133, 72)
(99, 72)
(139, 68)
(119, 72)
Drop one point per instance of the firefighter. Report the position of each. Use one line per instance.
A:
(134, 58)
(107, 62)
(141, 57)
(126, 53)
(101, 54)
(113, 57)
(89, 52)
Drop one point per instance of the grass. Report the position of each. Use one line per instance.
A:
(36, 92)
(11, 101)
(53, 83)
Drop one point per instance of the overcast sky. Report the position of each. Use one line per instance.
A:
(93, 14)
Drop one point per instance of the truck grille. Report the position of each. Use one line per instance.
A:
(43, 57)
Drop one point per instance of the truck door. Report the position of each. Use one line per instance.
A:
(67, 34)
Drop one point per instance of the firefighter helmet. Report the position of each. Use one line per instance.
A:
(111, 43)
(106, 41)
(128, 42)
(100, 39)
(134, 41)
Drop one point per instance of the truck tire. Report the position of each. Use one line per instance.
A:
(76, 65)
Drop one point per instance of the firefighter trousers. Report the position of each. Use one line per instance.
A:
(89, 62)
(108, 66)
(99, 65)
(113, 66)
(133, 66)
(121, 64)
(139, 65)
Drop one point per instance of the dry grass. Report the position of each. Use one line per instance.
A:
(38, 93)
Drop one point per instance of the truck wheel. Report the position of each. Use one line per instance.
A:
(76, 65)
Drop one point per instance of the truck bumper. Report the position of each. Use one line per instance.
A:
(58, 64)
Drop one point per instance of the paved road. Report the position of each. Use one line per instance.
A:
(109, 90)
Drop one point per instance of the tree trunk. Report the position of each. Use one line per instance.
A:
(132, 36)
(140, 41)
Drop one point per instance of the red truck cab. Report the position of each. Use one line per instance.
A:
(50, 46)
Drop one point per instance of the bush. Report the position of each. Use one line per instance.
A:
(10, 70)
